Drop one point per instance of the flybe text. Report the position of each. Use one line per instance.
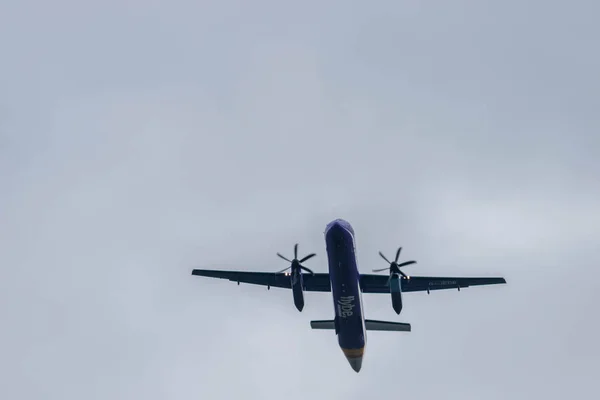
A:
(345, 306)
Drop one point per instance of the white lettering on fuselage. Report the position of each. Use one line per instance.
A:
(345, 306)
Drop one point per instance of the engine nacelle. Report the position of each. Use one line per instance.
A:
(396, 292)
(297, 284)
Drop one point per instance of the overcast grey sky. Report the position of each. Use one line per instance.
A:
(139, 140)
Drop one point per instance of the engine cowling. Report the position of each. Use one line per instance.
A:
(395, 279)
(296, 280)
(297, 283)
(396, 293)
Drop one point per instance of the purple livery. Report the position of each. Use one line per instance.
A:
(347, 286)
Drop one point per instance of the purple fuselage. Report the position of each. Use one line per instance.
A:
(345, 288)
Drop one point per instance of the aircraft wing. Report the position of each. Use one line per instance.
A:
(378, 283)
(312, 283)
(319, 282)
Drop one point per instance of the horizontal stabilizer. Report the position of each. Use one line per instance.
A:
(326, 324)
(373, 325)
(370, 325)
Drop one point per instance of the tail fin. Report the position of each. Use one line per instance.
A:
(370, 325)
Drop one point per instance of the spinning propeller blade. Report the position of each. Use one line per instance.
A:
(394, 267)
(285, 258)
(295, 263)
(381, 269)
(382, 256)
(307, 270)
(307, 257)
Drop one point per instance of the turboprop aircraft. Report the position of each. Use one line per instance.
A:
(347, 286)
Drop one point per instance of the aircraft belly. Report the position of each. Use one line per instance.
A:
(345, 290)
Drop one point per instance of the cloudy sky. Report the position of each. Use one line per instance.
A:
(142, 139)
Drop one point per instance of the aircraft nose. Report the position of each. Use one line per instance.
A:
(339, 225)
(355, 363)
(334, 227)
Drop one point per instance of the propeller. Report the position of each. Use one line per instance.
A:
(394, 267)
(295, 263)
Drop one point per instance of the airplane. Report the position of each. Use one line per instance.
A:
(347, 286)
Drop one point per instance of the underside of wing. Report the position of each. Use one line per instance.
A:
(312, 283)
(378, 283)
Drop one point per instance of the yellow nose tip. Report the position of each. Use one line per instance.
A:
(352, 353)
